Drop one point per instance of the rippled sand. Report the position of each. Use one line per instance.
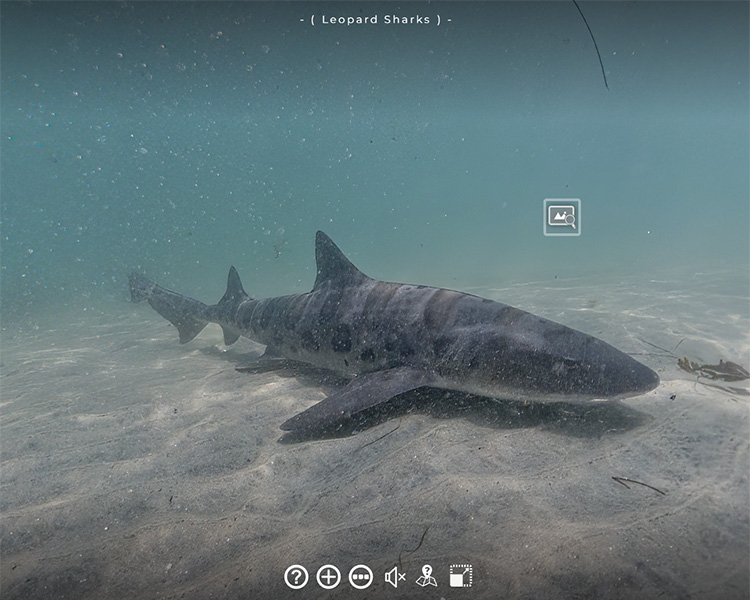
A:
(133, 467)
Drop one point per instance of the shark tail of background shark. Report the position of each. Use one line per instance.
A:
(190, 316)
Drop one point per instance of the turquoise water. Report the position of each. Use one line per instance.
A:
(178, 139)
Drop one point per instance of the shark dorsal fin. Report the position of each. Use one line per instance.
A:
(333, 266)
(234, 294)
(234, 285)
(229, 302)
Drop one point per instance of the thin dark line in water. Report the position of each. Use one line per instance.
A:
(678, 343)
(596, 46)
(670, 352)
(419, 545)
(622, 480)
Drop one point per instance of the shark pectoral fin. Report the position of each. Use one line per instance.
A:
(230, 336)
(362, 392)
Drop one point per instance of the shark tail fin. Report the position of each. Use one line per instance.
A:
(229, 302)
(183, 312)
(140, 287)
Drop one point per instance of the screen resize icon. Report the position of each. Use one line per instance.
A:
(461, 575)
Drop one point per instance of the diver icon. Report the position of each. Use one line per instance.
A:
(426, 578)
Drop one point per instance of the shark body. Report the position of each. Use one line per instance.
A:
(389, 338)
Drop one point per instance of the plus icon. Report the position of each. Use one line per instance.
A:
(328, 577)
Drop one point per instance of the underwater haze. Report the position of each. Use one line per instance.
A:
(177, 139)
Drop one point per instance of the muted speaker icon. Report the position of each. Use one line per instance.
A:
(393, 577)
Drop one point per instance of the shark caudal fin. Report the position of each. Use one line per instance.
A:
(228, 304)
(140, 287)
(184, 313)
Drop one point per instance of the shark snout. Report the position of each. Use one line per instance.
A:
(591, 368)
(621, 376)
(642, 379)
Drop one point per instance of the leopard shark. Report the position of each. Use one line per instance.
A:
(390, 338)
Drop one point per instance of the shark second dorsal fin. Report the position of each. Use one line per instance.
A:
(333, 266)
(234, 293)
(229, 302)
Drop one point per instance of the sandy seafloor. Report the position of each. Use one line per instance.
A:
(134, 467)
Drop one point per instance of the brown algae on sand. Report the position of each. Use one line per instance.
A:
(725, 370)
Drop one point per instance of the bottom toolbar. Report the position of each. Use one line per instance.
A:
(360, 577)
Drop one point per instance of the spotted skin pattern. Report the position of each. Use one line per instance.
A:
(389, 338)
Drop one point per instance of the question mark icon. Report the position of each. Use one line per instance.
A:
(296, 577)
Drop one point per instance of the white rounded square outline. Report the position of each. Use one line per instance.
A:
(561, 200)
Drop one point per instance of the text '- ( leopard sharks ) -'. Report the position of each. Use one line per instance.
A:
(390, 338)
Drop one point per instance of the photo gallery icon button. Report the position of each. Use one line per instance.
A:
(562, 216)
